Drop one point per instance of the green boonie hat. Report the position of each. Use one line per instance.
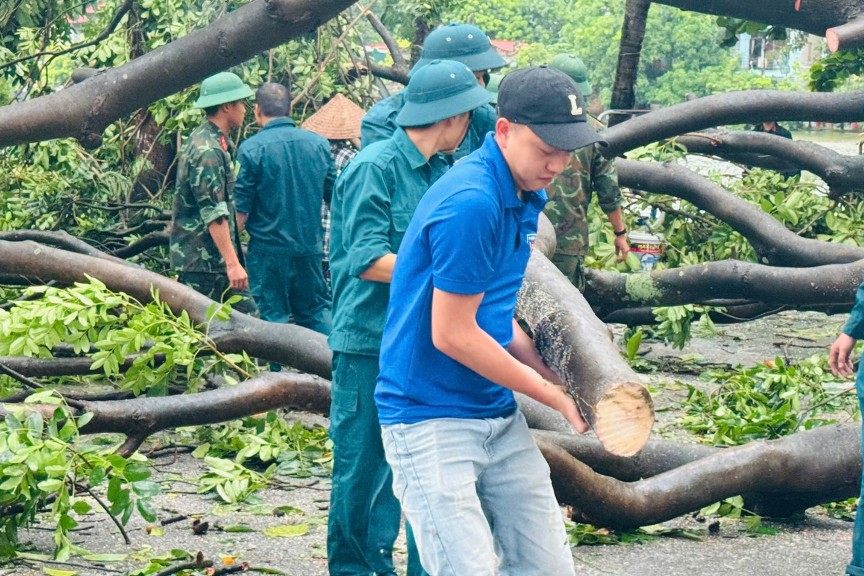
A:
(574, 67)
(492, 86)
(440, 90)
(222, 88)
(461, 42)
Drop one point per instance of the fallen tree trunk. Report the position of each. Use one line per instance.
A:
(829, 285)
(750, 106)
(140, 417)
(774, 243)
(288, 344)
(84, 110)
(843, 174)
(778, 478)
(810, 16)
(576, 344)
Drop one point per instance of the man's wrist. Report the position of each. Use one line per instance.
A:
(621, 232)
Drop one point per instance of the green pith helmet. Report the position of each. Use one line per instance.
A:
(463, 43)
(492, 86)
(440, 90)
(222, 88)
(574, 67)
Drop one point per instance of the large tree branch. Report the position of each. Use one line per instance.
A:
(843, 174)
(813, 16)
(821, 285)
(288, 344)
(778, 477)
(84, 111)
(750, 106)
(576, 344)
(773, 242)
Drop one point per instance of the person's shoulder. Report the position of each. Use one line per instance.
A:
(312, 137)
(385, 108)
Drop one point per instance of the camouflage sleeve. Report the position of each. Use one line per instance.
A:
(207, 182)
(604, 180)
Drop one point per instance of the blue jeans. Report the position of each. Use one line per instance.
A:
(856, 566)
(478, 496)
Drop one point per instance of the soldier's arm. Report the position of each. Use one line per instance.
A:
(208, 186)
(207, 183)
(221, 234)
(604, 178)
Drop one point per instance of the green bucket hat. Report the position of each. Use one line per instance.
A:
(222, 88)
(574, 67)
(440, 90)
(461, 42)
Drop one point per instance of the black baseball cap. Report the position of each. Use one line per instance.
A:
(549, 102)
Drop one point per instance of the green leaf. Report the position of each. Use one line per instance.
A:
(146, 510)
(286, 530)
(56, 572)
(146, 488)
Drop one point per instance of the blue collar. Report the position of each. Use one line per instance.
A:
(281, 121)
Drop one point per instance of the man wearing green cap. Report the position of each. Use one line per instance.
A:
(460, 42)
(204, 246)
(589, 172)
(373, 201)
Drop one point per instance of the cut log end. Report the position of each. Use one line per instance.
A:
(832, 39)
(624, 418)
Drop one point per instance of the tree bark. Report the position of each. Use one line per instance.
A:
(847, 36)
(833, 284)
(749, 106)
(813, 16)
(629, 54)
(773, 242)
(576, 344)
(843, 174)
(288, 344)
(84, 110)
(141, 417)
(778, 478)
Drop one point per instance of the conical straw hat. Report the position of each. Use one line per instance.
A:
(339, 119)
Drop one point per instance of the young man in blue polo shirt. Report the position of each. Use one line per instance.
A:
(373, 201)
(471, 481)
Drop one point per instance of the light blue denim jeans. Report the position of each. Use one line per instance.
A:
(478, 496)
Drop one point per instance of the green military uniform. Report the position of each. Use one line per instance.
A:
(373, 201)
(205, 182)
(379, 123)
(569, 195)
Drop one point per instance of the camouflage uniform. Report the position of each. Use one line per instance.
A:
(569, 195)
(205, 181)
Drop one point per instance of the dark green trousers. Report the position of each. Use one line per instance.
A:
(364, 514)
